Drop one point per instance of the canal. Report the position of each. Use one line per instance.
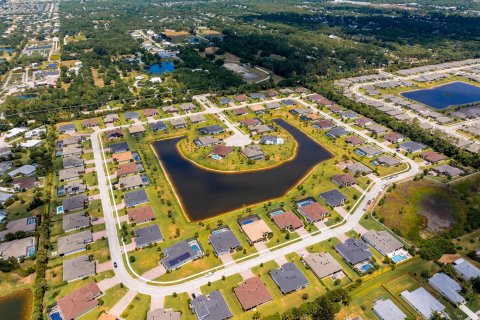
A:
(205, 194)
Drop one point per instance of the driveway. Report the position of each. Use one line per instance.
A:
(99, 234)
(123, 303)
(342, 237)
(260, 246)
(226, 258)
(155, 272)
(106, 284)
(101, 267)
(156, 302)
(341, 211)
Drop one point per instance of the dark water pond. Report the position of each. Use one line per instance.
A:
(447, 95)
(161, 68)
(16, 306)
(205, 193)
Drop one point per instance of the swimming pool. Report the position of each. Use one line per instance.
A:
(306, 202)
(216, 157)
(30, 251)
(398, 258)
(144, 178)
(56, 316)
(135, 156)
(31, 220)
(195, 248)
(218, 231)
(247, 221)
(366, 267)
(60, 210)
(276, 212)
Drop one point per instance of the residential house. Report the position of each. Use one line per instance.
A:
(221, 151)
(376, 128)
(198, 118)
(394, 137)
(383, 241)
(354, 140)
(131, 115)
(300, 111)
(313, 212)
(287, 221)
(178, 123)
(447, 287)
(251, 293)
(333, 198)
(272, 105)
(258, 109)
(432, 156)
(250, 122)
(76, 221)
(337, 132)
(137, 130)
(158, 126)
(363, 121)
(25, 170)
(187, 107)
(90, 123)
(424, 303)
(19, 248)
(448, 170)
(344, 180)
(288, 102)
(256, 231)
(152, 112)
(225, 100)
(368, 151)
(147, 235)
(79, 302)
(162, 314)
(67, 128)
(322, 264)
(131, 182)
(240, 111)
(72, 150)
(271, 140)
(126, 169)
(241, 98)
(211, 307)
(359, 168)
(169, 109)
(71, 162)
(388, 161)
(27, 225)
(466, 269)
(323, 124)
(180, 253)
(135, 198)
(75, 203)
(253, 152)
(354, 251)
(122, 157)
(119, 147)
(223, 241)
(141, 214)
(289, 278)
(71, 173)
(412, 146)
(73, 243)
(78, 268)
(111, 118)
(24, 183)
(387, 310)
(213, 129)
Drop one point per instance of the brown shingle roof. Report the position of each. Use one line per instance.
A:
(252, 293)
(287, 219)
(127, 168)
(93, 122)
(222, 151)
(343, 179)
(432, 156)
(354, 140)
(141, 214)
(150, 112)
(314, 211)
(80, 301)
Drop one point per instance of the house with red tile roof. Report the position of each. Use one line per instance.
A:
(141, 214)
(287, 220)
(251, 293)
(313, 212)
(79, 302)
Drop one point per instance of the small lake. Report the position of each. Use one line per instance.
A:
(17, 306)
(4, 49)
(447, 95)
(206, 193)
(161, 68)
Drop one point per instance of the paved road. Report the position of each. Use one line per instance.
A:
(156, 288)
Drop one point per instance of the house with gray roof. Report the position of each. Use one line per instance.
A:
(223, 241)
(368, 151)
(67, 128)
(27, 225)
(78, 268)
(75, 187)
(71, 173)
(225, 100)
(336, 132)
(206, 141)
(213, 129)
(388, 161)
(158, 126)
(19, 248)
(180, 253)
(448, 170)
(73, 243)
(213, 307)
(4, 196)
(383, 241)
(387, 310)
(197, 118)
(253, 152)
(134, 198)
(423, 302)
(323, 264)
(162, 314)
(359, 168)
(75, 203)
(73, 161)
(111, 118)
(467, 270)
(413, 147)
(169, 109)
(72, 150)
(376, 128)
(178, 123)
(131, 182)
(447, 287)
(75, 221)
(289, 278)
(147, 235)
(354, 251)
(119, 147)
(333, 198)
(187, 107)
(131, 115)
(25, 170)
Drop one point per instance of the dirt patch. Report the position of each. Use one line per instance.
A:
(438, 212)
(449, 258)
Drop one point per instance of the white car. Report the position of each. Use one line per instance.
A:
(209, 274)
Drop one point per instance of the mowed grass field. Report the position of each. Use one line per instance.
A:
(406, 208)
